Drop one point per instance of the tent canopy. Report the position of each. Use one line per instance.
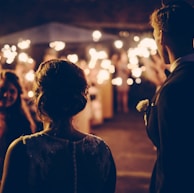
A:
(53, 32)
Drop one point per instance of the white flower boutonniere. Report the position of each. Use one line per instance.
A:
(143, 105)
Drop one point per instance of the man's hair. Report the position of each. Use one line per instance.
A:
(175, 18)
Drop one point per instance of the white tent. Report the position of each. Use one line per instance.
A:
(53, 32)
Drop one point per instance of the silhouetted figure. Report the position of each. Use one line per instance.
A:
(170, 123)
(122, 89)
(59, 158)
(15, 120)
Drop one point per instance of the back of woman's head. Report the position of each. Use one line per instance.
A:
(60, 89)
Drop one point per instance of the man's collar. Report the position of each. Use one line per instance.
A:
(187, 58)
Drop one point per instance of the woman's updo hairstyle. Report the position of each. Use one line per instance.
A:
(60, 89)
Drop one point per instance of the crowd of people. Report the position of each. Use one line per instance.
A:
(57, 157)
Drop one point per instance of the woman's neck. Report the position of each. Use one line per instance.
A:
(62, 130)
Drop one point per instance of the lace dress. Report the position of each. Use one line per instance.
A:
(49, 164)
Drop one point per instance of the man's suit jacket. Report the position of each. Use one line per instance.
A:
(171, 129)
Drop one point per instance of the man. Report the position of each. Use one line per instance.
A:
(170, 117)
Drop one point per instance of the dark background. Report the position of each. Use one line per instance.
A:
(107, 15)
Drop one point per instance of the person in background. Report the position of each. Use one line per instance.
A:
(59, 158)
(122, 90)
(3, 141)
(170, 123)
(15, 119)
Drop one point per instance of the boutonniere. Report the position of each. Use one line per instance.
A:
(143, 105)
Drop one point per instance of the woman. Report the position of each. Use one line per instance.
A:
(122, 72)
(59, 158)
(14, 119)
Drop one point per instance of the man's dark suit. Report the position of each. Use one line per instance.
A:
(171, 129)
